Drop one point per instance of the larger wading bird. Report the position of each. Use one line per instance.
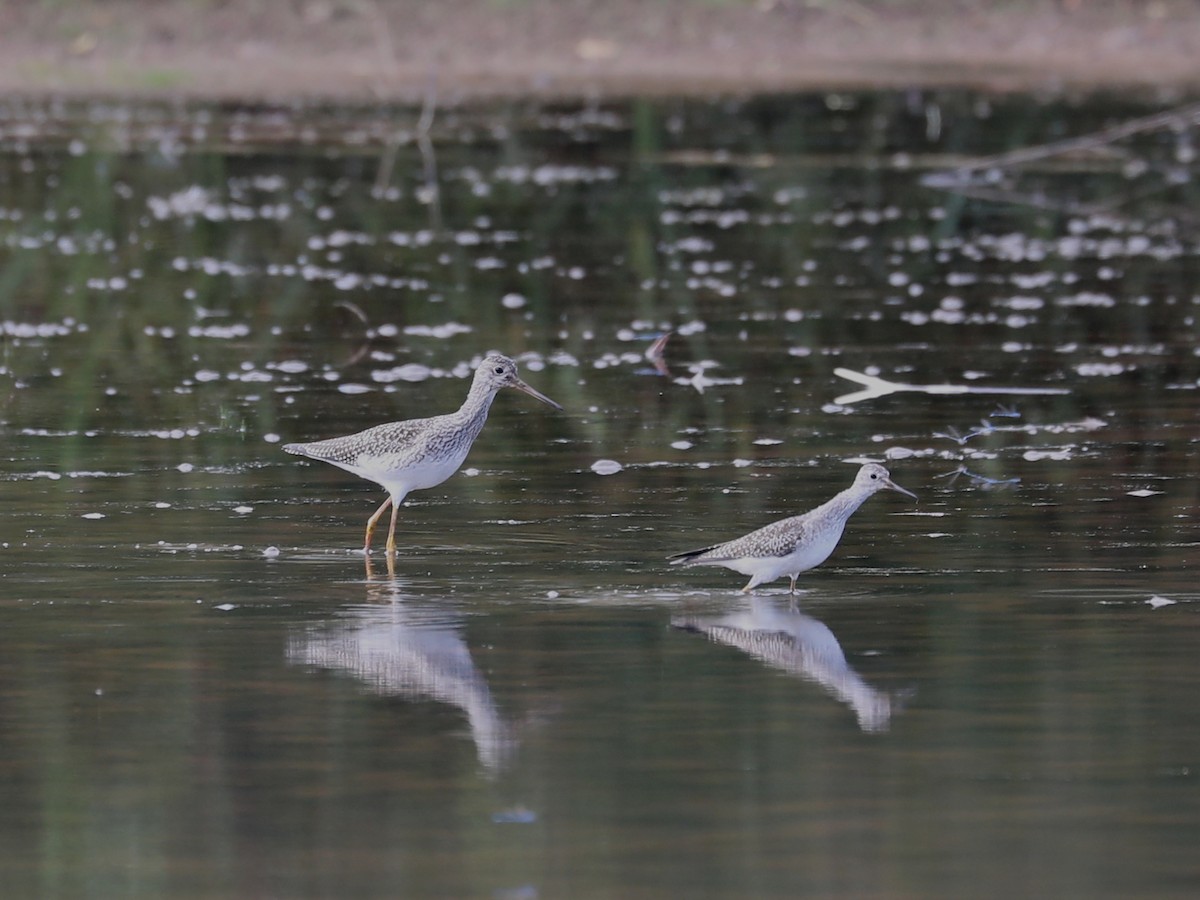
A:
(418, 453)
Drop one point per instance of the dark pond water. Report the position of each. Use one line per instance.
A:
(205, 691)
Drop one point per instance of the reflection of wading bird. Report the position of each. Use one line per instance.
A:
(795, 545)
(419, 453)
(799, 645)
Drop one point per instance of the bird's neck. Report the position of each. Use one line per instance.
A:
(842, 506)
(475, 408)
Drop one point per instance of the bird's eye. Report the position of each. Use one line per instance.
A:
(874, 474)
(499, 370)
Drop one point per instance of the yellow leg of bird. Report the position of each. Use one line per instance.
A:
(371, 522)
(391, 542)
(793, 588)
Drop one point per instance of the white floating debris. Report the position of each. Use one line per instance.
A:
(93, 515)
(351, 387)
(553, 595)
(448, 330)
(271, 437)
(606, 467)
(225, 607)
(767, 442)
(1098, 369)
(1143, 492)
(411, 372)
(1156, 601)
(185, 467)
(243, 510)
(1059, 454)
(271, 552)
(682, 445)
(162, 504)
(518, 815)
(512, 301)
(221, 332)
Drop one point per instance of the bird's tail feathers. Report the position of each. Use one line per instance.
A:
(689, 556)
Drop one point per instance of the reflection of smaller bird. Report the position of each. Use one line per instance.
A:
(794, 545)
(418, 453)
(799, 645)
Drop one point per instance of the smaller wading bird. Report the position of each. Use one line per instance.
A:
(794, 545)
(419, 453)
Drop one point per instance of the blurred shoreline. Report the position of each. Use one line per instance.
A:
(467, 50)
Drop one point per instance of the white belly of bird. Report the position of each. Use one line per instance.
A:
(420, 475)
(801, 559)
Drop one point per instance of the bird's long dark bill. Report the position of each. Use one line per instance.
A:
(522, 386)
(895, 487)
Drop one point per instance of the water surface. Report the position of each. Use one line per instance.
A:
(207, 691)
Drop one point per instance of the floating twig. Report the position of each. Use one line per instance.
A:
(993, 178)
(1185, 115)
(982, 480)
(874, 386)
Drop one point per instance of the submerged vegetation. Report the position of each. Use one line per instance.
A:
(168, 264)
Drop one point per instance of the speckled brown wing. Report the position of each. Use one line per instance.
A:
(390, 437)
(777, 539)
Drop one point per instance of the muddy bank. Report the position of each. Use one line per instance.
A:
(362, 50)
